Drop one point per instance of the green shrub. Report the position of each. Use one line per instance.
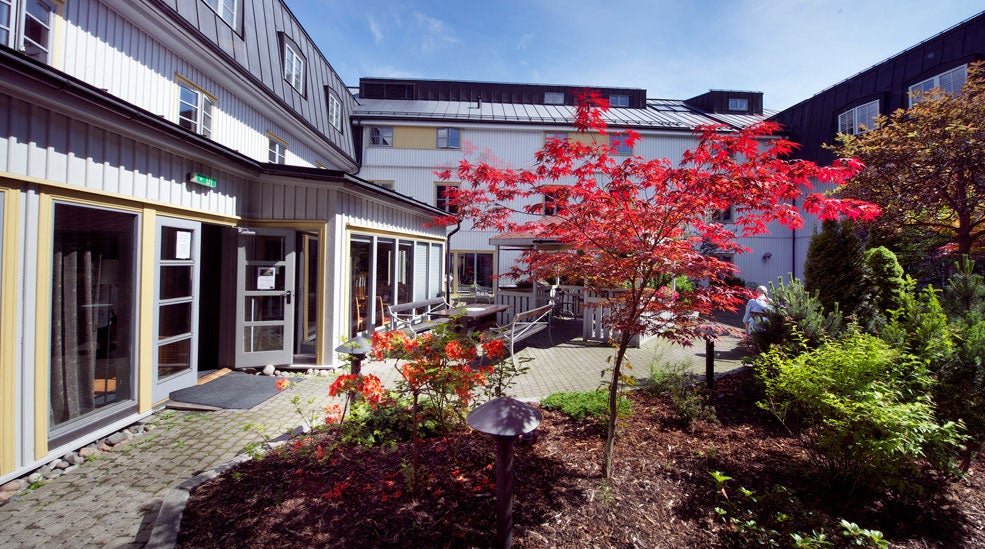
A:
(579, 405)
(861, 409)
(798, 320)
(388, 425)
(685, 392)
(886, 278)
(835, 267)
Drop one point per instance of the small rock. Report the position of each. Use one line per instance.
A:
(5, 496)
(105, 447)
(34, 477)
(116, 438)
(269, 370)
(88, 451)
(61, 464)
(53, 474)
(149, 427)
(75, 459)
(12, 486)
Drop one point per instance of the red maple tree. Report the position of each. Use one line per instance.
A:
(629, 226)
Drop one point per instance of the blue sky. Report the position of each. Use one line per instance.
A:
(789, 50)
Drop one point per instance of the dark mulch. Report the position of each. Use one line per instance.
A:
(660, 496)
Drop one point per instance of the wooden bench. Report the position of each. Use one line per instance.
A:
(416, 315)
(524, 325)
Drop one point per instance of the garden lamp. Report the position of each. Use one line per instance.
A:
(358, 347)
(504, 419)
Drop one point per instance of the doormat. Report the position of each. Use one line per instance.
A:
(235, 390)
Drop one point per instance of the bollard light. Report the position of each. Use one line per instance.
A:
(358, 347)
(504, 419)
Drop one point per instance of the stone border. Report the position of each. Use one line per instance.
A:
(164, 533)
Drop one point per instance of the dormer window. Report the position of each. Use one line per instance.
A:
(949, 82)
(293, 66)
(226, 10)
(618, 100)
(860, 119)
(554, 98)
(738, 104)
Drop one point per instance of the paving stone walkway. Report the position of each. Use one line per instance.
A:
(115, 499)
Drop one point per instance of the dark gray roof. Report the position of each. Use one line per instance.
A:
(660, 113)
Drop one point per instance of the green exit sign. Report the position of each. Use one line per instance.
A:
(200, 179)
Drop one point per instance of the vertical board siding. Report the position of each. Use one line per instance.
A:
(110, 52)
(52, 147)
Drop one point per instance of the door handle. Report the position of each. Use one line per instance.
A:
(287, 296)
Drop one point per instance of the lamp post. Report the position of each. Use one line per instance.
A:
(504, 419)
(357, 347)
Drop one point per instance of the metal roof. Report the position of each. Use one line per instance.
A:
(660, 113)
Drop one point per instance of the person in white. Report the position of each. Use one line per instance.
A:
(756, 309)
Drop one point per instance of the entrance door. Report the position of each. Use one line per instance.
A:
(265, 286)
(176, 305)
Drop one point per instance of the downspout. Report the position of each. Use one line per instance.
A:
(448, 266)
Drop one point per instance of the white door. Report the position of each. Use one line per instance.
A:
(265, 289)
(176, 305)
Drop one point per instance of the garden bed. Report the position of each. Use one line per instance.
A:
(661, 495)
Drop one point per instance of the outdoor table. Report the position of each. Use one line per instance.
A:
(473, 316)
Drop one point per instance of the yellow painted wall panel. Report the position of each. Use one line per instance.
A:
(414, 138)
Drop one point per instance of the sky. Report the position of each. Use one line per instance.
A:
(675, 49)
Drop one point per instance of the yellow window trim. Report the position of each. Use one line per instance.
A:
(8, 332)
(277, 138)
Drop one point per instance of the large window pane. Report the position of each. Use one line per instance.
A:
(264, 308)
(175, 319)
(92, 311)
(174, 358)
(263, 338)
(176, 281)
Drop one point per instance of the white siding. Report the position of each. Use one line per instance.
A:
(50, 146)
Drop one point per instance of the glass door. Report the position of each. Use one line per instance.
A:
(265, 285)
(176, 305)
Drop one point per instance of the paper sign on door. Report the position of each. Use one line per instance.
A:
(266, 278)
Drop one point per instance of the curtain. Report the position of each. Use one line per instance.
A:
(74, 323)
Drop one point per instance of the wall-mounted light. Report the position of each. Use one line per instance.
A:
(767, 256)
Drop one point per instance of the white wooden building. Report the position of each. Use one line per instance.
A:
(177, 193)
(407, 129)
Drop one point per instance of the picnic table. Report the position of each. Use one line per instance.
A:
(472, 317)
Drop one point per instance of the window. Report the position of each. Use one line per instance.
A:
(335, 112)
(277, 149)
(723, 216)
(553, 98)
(473, 271)
(551, 206)
(949, 82)
(449, 138)
(94, 303)
(618, 142)
(618, 100)
(37, 29)
(560, 136)
(293, 67)
(443, 197)
(381, 136)
(738, 104)
(6, 23)
(195, 108)
(226, 10)
(853, 121)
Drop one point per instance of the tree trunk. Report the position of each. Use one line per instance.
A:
(610, 438)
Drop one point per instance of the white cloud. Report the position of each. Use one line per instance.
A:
(374, 29)
(524, 41)
(436, 35)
